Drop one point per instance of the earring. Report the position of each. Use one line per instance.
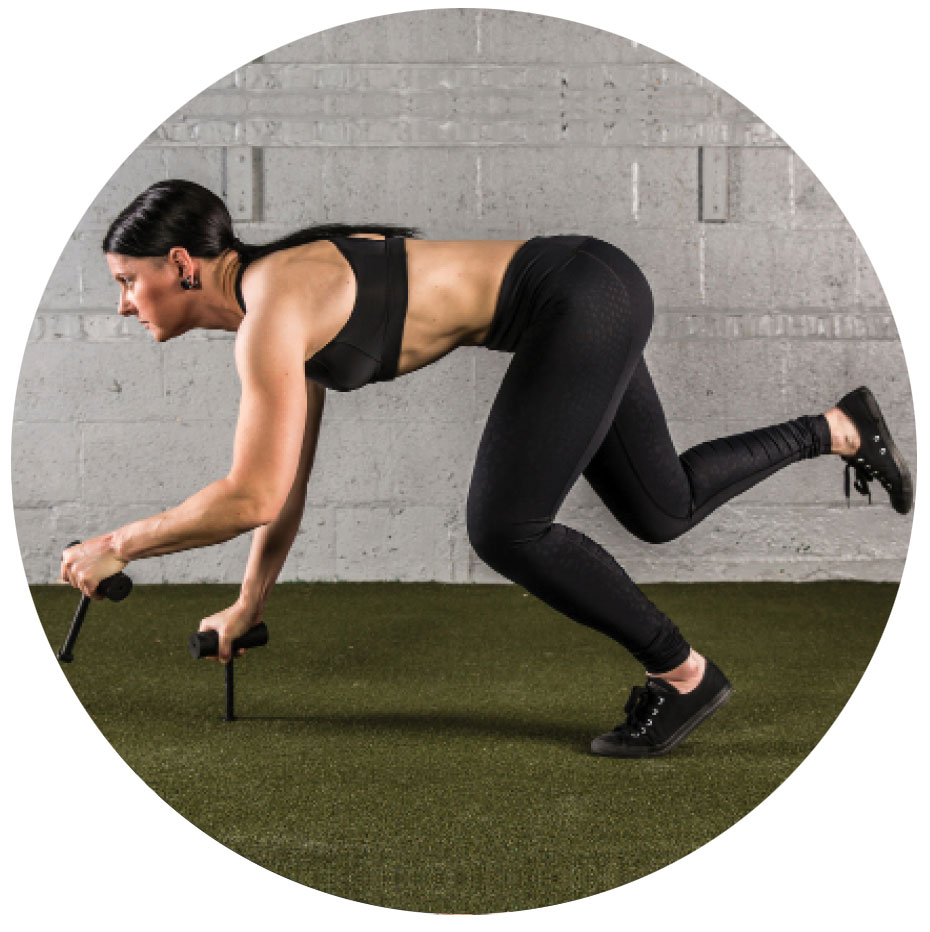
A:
(189, 283)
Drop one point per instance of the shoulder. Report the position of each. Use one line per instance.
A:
(305, 275)
(287, 293)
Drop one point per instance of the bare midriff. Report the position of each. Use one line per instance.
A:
(452, 290)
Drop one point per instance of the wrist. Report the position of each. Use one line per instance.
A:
(116, 544)
(251, 597)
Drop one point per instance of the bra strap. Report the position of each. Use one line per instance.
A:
(395, 306)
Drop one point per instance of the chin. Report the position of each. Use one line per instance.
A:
(162, 334)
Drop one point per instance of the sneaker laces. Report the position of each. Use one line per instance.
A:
(864, 475)
(861, 484)
(640, 708)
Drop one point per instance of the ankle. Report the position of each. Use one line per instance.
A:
(844, 438)
(686, 676)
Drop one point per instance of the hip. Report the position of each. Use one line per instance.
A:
(566, 271)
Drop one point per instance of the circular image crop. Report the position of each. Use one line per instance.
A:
(524, 408)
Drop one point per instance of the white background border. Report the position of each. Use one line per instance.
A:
(842, 841)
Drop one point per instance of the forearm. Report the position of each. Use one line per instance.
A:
(215, 514)
(271, 544)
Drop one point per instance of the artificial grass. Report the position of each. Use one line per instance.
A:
(425, 746)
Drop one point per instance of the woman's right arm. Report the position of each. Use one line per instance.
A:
(272, 542)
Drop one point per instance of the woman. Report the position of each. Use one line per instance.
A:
(339, 307)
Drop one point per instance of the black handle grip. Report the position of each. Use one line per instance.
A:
(207, 643)
(115, 587)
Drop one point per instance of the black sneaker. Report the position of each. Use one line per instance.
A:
(658, 717)
(877, 456)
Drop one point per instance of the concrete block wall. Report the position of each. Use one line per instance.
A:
(474, 124)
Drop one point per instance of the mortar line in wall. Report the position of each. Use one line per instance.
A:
(702, 249)
(81, 462)
(474, 385)
(456, 63)
(634, 186)
(785, 370)
(258, 183)
(324, 168)
(700, 183)
(857, 276)
(478, 192)
(482, 144)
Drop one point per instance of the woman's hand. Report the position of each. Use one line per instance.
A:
(84, 565)
(232, 623)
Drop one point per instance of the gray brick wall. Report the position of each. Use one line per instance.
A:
(474, 124)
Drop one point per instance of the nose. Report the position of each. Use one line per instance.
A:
(125, 307)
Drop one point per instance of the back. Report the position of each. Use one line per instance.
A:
(367, 348)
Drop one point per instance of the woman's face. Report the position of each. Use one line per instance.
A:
(150, 289)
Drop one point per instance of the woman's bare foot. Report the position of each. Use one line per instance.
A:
(686, 676)
(845, 437)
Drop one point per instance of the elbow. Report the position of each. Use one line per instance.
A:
(253, 508)
(263, 510)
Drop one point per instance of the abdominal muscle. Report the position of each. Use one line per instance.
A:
(452, 289)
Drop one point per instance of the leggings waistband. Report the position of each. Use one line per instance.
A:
(531, 264)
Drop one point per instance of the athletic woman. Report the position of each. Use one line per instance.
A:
(339, 307)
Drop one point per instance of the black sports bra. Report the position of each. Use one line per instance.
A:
(368, 346)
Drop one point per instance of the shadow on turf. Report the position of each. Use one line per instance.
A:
(573, 738)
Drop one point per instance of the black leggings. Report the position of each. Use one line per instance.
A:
(577, 398)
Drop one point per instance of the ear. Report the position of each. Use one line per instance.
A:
(186, 265)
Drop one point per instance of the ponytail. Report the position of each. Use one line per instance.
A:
(183, 213)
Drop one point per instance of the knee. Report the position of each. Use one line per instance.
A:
(480, 528)
(639, 515)
(659, 537)
(489, 542)
(658, 532)
(497, 539)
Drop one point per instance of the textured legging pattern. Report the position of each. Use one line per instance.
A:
(577, 398)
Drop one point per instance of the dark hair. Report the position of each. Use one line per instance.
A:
(183, 213)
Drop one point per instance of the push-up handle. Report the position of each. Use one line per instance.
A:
(207, 643)
(115, 588)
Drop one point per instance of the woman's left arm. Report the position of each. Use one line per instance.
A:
(269, 434)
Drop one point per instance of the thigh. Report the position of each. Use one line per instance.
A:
(558, 397)
(636, 470)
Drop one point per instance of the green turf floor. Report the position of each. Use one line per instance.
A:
(425, 746)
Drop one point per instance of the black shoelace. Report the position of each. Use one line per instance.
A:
(864, 475)
(641, 708)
